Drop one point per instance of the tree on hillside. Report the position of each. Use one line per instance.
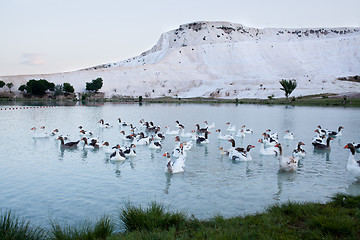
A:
(68, 88)
(39, 87)
(9, 85)
(288, 86)
(22, 88)
(2, 84)
(58, 90)
(95, 85)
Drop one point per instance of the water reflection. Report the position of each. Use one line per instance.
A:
(132, 163)
(281, 178)
(168, 182)
(354, 188)
(84, 154)
(117, 167)
(61, 154)
(324, 153)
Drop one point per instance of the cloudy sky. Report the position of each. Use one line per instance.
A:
(47, 36)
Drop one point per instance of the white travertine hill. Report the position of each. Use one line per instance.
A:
(226, 60)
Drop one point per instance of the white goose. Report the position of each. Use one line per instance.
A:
(102, 124)
(223, 152)
(186, 145)
(84, 133)
(126, 137)
(186, 134)
(223, 137)
(269, 141)
(118, 155)
(107, 148)
(319, 137)
(203, 140)
(175, 167)
(240, 133)
(267, 151)
(335, 133)
(130, 151)
(158, 135)
(299, 152)
(40, 133)
(173, 132)
(231, 128)
(121, 123)
(246, 130)
(141, 140)
(92, 145)
(287, 163)
(176, 152)
(154, 144)
(209, 126)
(56, 133)
(353, 166)
(241, 154)
(289, 135)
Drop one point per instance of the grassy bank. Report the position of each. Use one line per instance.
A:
(313, 100)
(337, 219)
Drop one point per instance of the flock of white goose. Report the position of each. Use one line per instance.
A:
(149, 134)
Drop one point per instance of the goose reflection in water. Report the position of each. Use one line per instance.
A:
(282, 177)
(117, 167)
(84, 154)
(353, 188)
(168, 182)
(324, 153)
(132, 163)
(62, 152)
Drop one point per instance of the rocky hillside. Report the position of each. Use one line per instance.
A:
(226, 60)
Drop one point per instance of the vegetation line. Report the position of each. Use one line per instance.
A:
(91, 98)
(337, 219)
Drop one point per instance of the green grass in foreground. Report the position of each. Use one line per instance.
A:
(13, 228)
(337, 219)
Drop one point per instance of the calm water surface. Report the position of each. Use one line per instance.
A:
(41, 182)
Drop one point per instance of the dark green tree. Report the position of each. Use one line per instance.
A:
(288, 86)
(39, 87)
(95, 85)
(68, 88)
(22, 88)
(9, 85)
(2, 83)
(51, 86)
(58, 90)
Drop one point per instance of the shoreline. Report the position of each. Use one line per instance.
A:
(348, 100)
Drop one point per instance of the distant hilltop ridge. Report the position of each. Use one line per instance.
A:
(227, 60)
(202, 33)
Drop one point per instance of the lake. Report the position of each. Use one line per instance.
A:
(41, 182)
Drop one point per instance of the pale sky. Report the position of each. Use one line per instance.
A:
(49, 36)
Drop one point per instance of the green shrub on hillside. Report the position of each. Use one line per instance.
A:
(288, 86)
(95, 85)
(39, 87)
(67, 88)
